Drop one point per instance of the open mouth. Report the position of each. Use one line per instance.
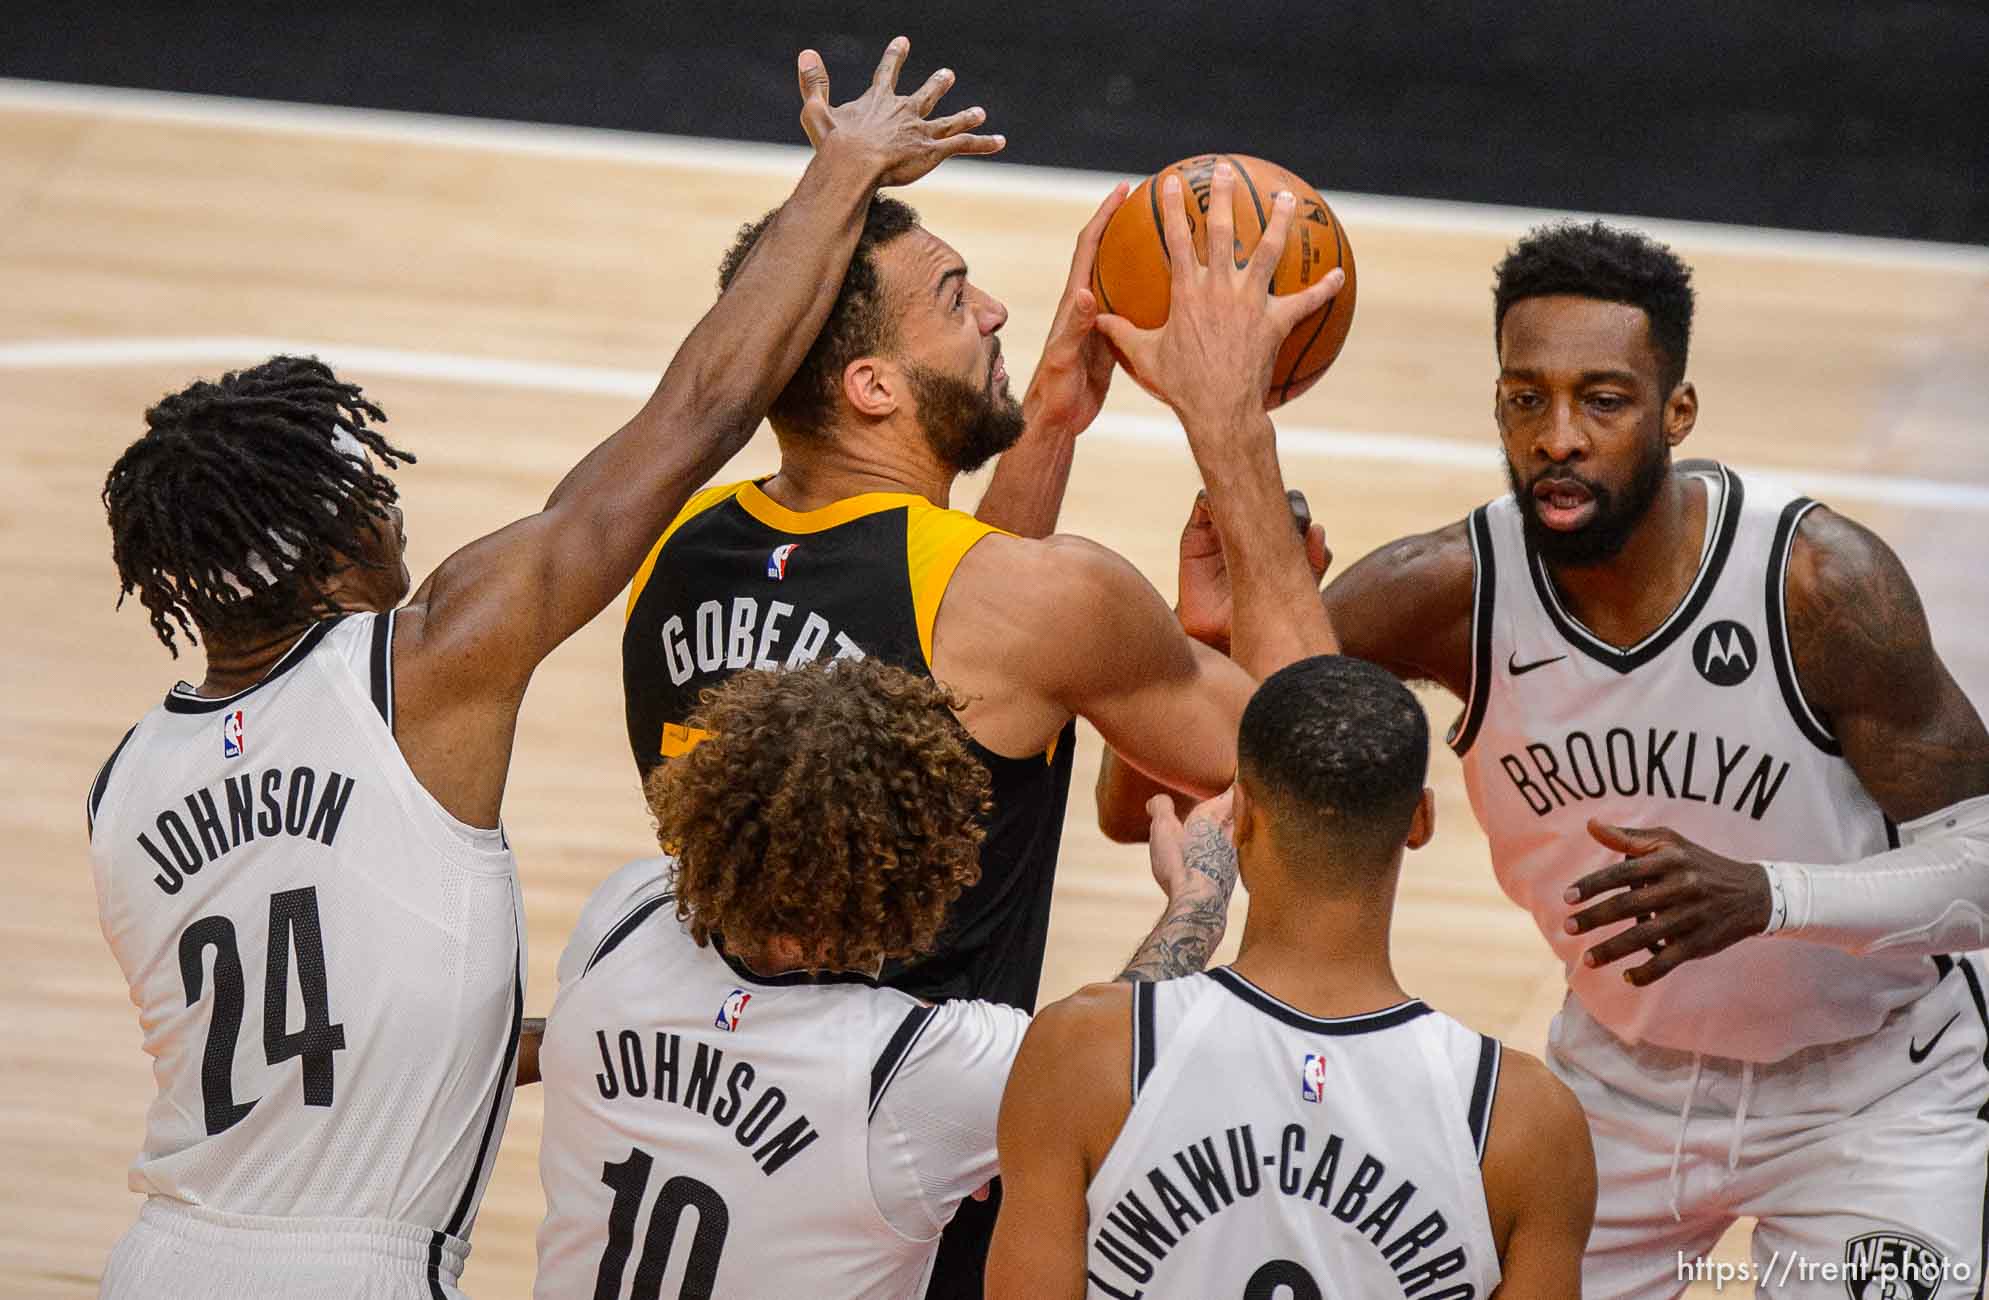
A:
(1563, 504)
(997, 369)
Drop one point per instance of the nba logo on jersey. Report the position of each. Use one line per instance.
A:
(1312, 1078)
(777, 562)
(231, 734)
(731, 1009)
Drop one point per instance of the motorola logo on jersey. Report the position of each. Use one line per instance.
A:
(732, 1009)
(232, 738)
(1724, 653)
(777, 561)
(1312, 1077)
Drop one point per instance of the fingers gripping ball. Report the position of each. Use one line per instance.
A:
(1130, 276)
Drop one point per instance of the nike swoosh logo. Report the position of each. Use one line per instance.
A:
(1916, 1053)
(1518, 669)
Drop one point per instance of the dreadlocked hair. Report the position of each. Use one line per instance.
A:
(236, 506)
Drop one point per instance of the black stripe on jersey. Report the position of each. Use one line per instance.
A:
(624, 928)
(179, 701)
(1682, 618)
(1982, 1011)
(102, 783)
(1366, 1023)
(903, 1039)
(1779, 648)
(1144, 1047)
(383, 666)
(1484, 587)
(460, 1219)
(1483, 1089)
(435, 1291)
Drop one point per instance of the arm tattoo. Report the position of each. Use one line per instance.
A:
(1195, 919)
(1865, 659)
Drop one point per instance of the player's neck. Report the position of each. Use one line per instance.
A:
(1327, 958)
(1624, 600)
(782, 955)
(844, 463)
(235, 665)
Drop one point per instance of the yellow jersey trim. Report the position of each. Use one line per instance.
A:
(936, 540)
(697, 505)
(777, 516)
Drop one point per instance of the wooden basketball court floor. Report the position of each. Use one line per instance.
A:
(510, 293)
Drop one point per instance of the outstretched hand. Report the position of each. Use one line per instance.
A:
(1075, 371)
(888, 132)
(1214, 353)
(1203, 603)
(1688, 901)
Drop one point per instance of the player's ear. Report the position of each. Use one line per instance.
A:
(872, 385)
(1423, 824)
(1681, 412)
(1242, 816)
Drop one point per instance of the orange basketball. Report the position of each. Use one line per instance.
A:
(1130, 278)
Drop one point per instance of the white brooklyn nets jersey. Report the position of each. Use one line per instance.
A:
(711, 1131)
(1701, 727)
(328, 967)
(1270, 1153)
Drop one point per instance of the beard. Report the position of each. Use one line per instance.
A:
(1602, 538)
(965, 426)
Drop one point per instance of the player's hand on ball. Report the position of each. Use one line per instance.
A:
(1213, 355)
(888, 132)
(1069, 385)
(1688, 901)
(1196, 856)
(1203, 602)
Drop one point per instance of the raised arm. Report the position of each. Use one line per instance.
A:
(1211, 362)
(491, 613)
(1065, 393)
(1871, 684)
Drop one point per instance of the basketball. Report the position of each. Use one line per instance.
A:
(1130, 278)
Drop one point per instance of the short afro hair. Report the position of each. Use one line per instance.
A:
(836, 803)
(1338, 749)
(1597, 260)
(859, 324)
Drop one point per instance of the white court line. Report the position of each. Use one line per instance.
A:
(1116, 426)
(964, 175)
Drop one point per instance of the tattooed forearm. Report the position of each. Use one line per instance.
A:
(1181, 943)
(1197, 913)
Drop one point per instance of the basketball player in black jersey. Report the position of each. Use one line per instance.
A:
(849, 550)
(1808, 995)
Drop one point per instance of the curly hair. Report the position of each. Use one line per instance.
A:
(1596, 260)
(836, 803)
(236, 505)
(859, 324)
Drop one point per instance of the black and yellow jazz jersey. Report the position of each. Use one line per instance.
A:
(739, 581)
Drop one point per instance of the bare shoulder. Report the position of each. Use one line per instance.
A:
(1085, 1021)
(1073, 1074)
(1407, 606)
(1539, 1159)
(1076, 1043)
(1855, 618)
(1533, 1108)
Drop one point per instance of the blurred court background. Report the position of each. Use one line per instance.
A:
(510, 292)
